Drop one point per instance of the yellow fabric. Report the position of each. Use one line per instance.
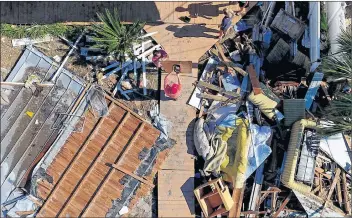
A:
(218, 148)
(265, 104)
(236, 173)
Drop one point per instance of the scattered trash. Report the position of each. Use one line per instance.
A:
(57, 58)
(30, 113)
(260, 99)
(124, 210)
(28, 41)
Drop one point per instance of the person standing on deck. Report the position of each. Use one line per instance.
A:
(226, 22)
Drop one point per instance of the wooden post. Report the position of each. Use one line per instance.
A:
(345, 194)
(237, 197)
(339, 194)
(254, 80)
(334, 182)
(283, 205)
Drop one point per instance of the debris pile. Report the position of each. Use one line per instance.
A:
(132, 71)
(261, 98)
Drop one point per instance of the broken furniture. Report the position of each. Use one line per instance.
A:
(214, 198)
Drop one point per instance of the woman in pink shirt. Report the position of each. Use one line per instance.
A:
(158, 56)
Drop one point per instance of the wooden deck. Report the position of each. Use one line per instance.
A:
(175, 179)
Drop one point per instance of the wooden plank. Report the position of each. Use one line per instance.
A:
(217, 98)
(134, 176)
(333, 185)
(237, 197)
(216, 88)
(339, 193)
(22, 213)
(316, 189)
(254, 80)
(346, 201)
(283, 205)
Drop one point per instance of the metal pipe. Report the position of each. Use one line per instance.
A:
(270, 14)
(67, 56)
(314, 30)
(336, 22)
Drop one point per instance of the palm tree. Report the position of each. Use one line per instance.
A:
(116, 38)
(339, 116)
(339, 111)
(340, 65)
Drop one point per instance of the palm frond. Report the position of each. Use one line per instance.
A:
(115, 37)
(339, 115)
(337, 66)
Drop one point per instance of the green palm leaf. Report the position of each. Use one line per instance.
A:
(116, 38)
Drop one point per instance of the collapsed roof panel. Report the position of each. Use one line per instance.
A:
(26, 123)
(89, 170)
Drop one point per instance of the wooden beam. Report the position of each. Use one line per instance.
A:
(237, 197)
(133, 175)
(321, 171)
(271, 190)
(339, 192)
(333, 185)
(221, 53)
(273, 201)
(217, 97)
(227, 61)
(23, 213)
(122, 105)
(316, 189)
(217, 88)
(345, 194)
(283, 205)
(254, 80)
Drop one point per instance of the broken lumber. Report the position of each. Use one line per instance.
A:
(23, 213)
(254, 80)
(339, 194)
(227, 61)
(133, 175)
(283, 205)
(334, 182)
(345, 194)
(216, 97)
(321, 172)
(216, 88)
(237, 197)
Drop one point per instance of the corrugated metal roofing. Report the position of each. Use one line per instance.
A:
(23, 137)
(83, 181)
